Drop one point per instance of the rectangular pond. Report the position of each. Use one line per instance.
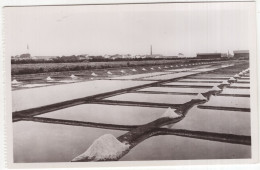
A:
(36, 97)
(192, 83)
(171, 76)
(219, 121)
(240, 85)
(235, 91)
(153, 98)
(182, 148)
(176, 89)
(111, 114)
(44, 142)
(228, 101)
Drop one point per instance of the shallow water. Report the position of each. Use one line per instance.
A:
(240, 85)
(235, 91)
(173, 89)
(44, 142)
(124, 115)
(182, 148)
(36, 97)
(192, 83)
(229, 101)
(153, 98)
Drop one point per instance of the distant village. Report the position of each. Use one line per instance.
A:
(244, 54)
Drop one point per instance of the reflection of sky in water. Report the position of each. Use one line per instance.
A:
(125, 115)
(182, 148)
(240, 85)
(229, 101)
(173, 89)
(235, 91)
(153, 98)
(40, 142)
(218, 121)
(192, 83)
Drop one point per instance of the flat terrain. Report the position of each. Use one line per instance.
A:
(73, 112)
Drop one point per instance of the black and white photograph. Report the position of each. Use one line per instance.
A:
(131, 82)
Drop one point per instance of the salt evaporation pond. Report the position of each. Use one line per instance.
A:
(240, 85)
(235, 91)
(170, 76)
(141, 75)
(183, 148)
(192, 83)
(243, 81)
(202, 80)
(228, 101)
(36, 97)
(176, 89)
(124, 115)
(51, 142)
(153, 98)
(219, 121)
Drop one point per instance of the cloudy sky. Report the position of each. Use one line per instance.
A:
(188, 28)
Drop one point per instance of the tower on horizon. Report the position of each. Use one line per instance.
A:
(151, 52)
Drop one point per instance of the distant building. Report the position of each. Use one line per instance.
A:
(48, 58)
(26, 56)
(241, 54)
(116, 56)
(210, 55)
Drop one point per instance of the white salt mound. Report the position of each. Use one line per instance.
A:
(236, 76)
(200, 97)
(134, 70)
(225, 82)
(170, 113)
(49, 79)
(15, 82)
(216, 88)
(109, 72)
(73, 76)
(232, 78)
(151, 68)
(105, 147)
(122, 71)
(159, 67)
(94, 74)
(143, 69)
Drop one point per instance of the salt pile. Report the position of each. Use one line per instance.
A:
(122, 71)
(73, 76)
(143, 69)
(134, 70)
(169, 113)
(15, 82)
(49, 78)
(94, 74)
(236, 76)
(225, 82)
(105, 147)
(151, 68)
(109, 72)
(241, 74)
(165, 67)
(232, 79)
(216, 88)
(171, 66)
(200, 97)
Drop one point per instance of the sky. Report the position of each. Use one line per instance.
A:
(171, 28)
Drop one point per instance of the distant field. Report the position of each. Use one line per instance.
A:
(60, 67)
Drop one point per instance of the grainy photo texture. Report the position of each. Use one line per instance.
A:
(130, 82)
